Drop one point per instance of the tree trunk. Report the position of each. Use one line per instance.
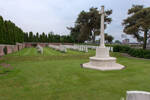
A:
(145, 39)
(93, 38)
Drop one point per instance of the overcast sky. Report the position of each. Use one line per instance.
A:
(55, 15)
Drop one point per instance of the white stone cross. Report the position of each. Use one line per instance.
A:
(102, 43)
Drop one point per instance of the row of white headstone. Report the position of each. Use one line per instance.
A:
(92, 47)
(60, 48)
(39, 49)
(81, 48)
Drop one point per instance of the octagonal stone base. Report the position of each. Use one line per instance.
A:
(102, 61)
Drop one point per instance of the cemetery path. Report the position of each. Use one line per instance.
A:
(127, 55)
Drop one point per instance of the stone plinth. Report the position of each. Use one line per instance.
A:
(138, 95)
(102, 52)
(102, 61)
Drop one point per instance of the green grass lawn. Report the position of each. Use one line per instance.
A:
(58, 76)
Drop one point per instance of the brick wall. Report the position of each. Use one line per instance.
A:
(11, 48)
(33, 44)
(19, 46)
(15, 48)
(1, 50)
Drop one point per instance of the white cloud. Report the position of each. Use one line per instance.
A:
(56, 15)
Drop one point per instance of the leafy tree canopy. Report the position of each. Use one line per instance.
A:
(138, 23)
(87, 25)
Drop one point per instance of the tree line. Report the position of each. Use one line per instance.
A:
(47, 38)
(87, 26)
(10, 33)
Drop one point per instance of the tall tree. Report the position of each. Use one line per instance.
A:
(26, 37)
(1, 30)
(37, 37)
(10, 33)
(108, 38)
(138, 23)
(31, 36)
(89, 24)
(74, 33)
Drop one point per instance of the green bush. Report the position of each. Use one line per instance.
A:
(119, 48)
(5, 50)
(116, 48)
(132, 51)
(147, 54)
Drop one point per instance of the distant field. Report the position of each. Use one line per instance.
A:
(58, 76)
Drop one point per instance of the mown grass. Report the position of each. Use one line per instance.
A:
(58, 76)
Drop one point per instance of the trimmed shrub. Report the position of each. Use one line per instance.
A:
(119, 48)
(5, 50)
(147, 54)
(116, 48)
(132, 51)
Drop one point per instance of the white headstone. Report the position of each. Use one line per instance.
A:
(138, 95)
(39, 49)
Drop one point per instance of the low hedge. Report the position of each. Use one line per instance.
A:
(140, 53)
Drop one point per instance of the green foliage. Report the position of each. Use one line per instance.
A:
(147, 54)
(44, 38)
(117, 42)
(108, 38)
(10, 33)
(58, 76)
(5, 50)
(140, 53)
(87, 25)
(138, 23)
(119, 48)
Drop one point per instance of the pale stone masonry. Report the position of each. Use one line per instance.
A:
(11, 48)
(138, 95)
(102, 43)
(61, 48)
(102, 60)
(39, 49)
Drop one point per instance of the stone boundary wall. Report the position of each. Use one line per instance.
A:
(1, 50)
(19, 46)
(11, 48)
(33, 44)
